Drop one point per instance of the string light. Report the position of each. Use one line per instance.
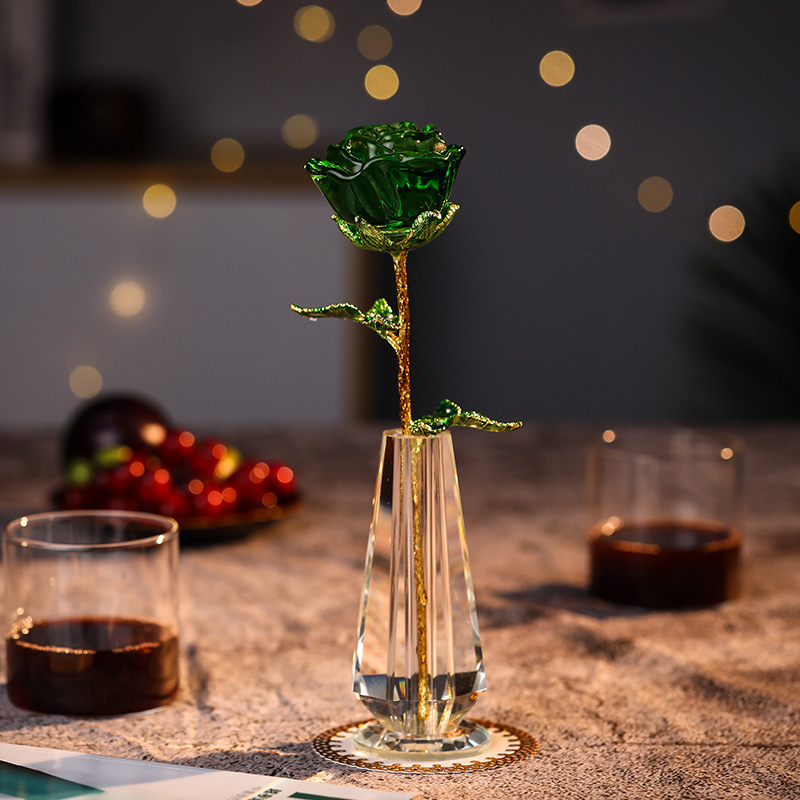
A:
(593, 142)
(374, 42)
(655, 194)
(85, 381)
(794, 217)
(159, 201)
(227, 155)
(726, 223)
(404, 8)
(557, 68)
(127, 299)
(381, 82)
(314, 23)
(300, 131)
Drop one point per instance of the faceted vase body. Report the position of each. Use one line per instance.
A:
(418, 665)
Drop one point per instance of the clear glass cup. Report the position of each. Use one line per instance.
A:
(91, 601)
(665, 506)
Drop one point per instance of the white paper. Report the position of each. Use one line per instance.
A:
(128, 779)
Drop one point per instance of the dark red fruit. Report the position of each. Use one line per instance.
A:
(114, 420)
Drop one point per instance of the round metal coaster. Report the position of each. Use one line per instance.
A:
(508, 745)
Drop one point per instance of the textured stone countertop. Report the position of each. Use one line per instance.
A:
(624, 703)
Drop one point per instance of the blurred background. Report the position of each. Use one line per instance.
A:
(627, 249)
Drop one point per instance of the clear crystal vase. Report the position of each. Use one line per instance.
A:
(418, 665)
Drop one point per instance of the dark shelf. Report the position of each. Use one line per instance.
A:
(86, 175)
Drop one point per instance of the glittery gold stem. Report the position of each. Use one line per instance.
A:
(402, 348)
(404, 391)
(421, 597)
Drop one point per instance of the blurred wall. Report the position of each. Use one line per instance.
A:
(554, 294)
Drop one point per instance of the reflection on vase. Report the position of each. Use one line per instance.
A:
(418, 664)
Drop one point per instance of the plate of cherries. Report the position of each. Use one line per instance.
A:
(121, 452)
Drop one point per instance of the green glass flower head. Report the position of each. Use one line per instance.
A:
(389, 184)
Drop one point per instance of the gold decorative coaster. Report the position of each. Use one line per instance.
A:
(508, 745)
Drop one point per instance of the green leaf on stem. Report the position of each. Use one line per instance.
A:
(380, 317)
(449, 414)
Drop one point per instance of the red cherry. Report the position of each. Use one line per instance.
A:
(206, 456)
(250, 482)
(178, 447)
(282, 481)
(154, 486)
(76, 497)
(174, 505)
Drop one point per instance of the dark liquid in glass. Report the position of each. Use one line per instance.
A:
(93, 666)
(665, 564)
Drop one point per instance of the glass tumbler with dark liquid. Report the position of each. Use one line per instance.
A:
(92, 612)
(665, 510)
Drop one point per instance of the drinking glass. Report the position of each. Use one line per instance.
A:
(665, 507)
(91, 622)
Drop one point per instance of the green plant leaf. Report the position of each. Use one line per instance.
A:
(449, 414)
(380, 317)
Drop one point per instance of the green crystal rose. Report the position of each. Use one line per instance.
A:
(389, 184)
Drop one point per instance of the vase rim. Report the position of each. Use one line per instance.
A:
(397, 433)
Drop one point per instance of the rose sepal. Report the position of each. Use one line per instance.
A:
(387, 239)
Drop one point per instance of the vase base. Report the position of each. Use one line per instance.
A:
(468, 739)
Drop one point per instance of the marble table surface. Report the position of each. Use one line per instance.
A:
(624, 703)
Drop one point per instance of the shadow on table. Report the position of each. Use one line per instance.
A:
(538, 601)
(296, 760)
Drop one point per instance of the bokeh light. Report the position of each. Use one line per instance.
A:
(85, 382)
(314, 23)
(404, 7)
(227, 155)
(127, 299)
(248, 2)
(794, 217)
(593, 142)
(159, 201)
(374, 42)
(300, 131)
(381, 82)
(726, 223)
(655, 194)
(557, 68)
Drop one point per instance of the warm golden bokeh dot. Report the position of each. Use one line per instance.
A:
(593, 142)
(726, 223)
(655, 194)
(85, 382)
(248, 2)
(381, 82)
(374, 42)
(794, 217)
(314, 23)
(300, 131)
(159, 201)
(227, 155)
(557, 68)
(609, 436)
(127, 299)
(404, 7)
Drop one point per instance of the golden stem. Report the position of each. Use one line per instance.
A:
(419, 583)
(404, 391)
(402, 349)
